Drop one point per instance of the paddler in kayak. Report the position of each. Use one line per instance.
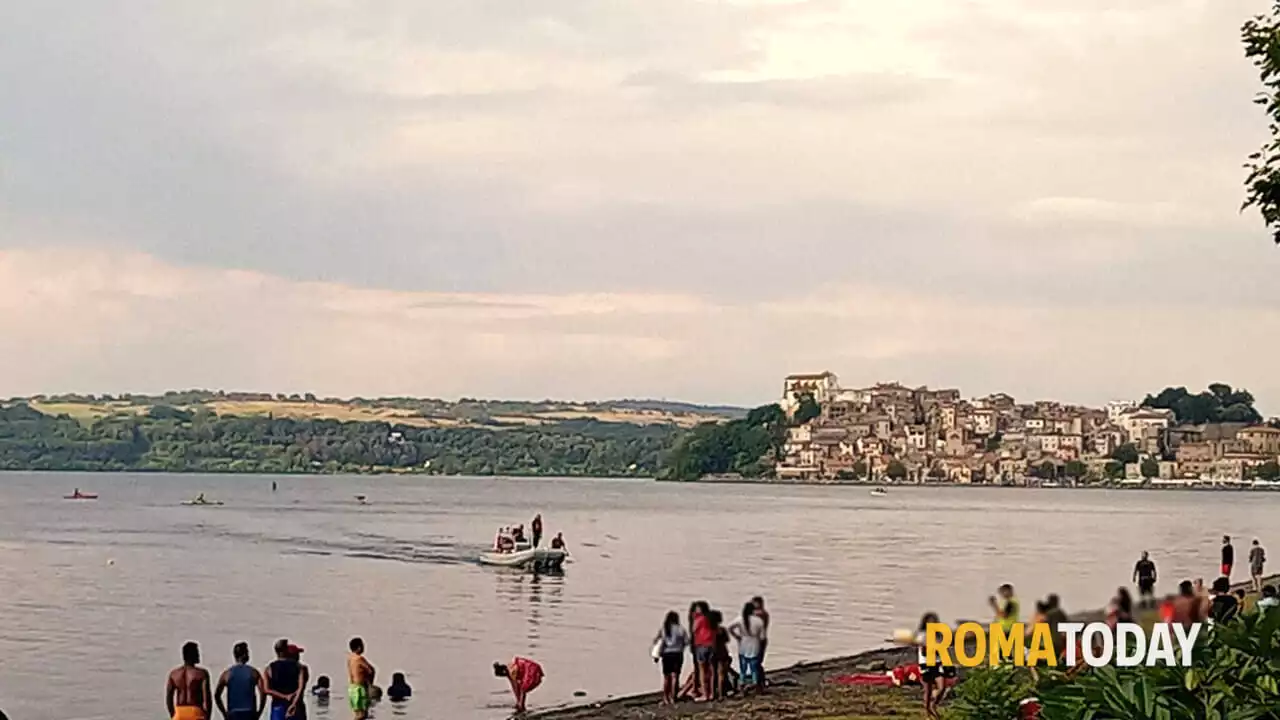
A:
(186, 692)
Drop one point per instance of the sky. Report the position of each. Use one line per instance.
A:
(590, 199)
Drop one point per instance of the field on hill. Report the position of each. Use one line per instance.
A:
(424, 413)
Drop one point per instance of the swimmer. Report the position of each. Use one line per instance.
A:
(524, 675)
(321, 690)
(186, 692)
(399, 690)
(360, 676)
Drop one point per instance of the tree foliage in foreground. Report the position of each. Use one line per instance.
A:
(1261, 38)
(177, 440)
(750, 446)
(1233, 676)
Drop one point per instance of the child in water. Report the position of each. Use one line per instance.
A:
(399, 690)
(321, 690)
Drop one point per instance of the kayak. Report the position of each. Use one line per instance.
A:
(537, 558)
(81, 496)
(206, 502)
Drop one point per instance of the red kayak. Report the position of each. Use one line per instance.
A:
(81, 496)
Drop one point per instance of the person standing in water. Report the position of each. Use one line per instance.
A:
(360, 676)
(1228, 556)
(186, 692)
(1144, 574)
(244, 687)
(299, 711)
(1257, 563)
(524, 675)
(536, 528)
(283, 677)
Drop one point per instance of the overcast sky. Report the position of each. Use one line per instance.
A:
(630, 198)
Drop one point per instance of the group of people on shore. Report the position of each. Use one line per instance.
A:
(708, 639)
(1193, 602)
(243, 692)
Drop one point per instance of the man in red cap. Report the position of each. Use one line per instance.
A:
(285, 681)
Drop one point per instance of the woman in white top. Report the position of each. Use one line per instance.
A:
(749, 632)
(669, 647)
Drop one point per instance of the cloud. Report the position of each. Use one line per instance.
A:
(626, 197)
(91, 321)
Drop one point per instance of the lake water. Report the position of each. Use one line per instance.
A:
(82, 638)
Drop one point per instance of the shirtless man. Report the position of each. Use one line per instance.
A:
(359, 680)
(186, 693)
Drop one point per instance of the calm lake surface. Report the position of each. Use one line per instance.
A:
(85, 639)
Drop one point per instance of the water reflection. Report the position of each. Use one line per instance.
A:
(535, 597)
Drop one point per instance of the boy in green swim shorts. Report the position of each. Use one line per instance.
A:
(359, 678)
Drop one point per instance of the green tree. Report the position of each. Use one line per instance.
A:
(807, 410)
(1125, 454)
(745, 446)
(1261, 37)
(993, 442)
(896, 470)
(1150, 468)
(1269, 471)
(1114, 470)
(1045, 471)
(1075, 469)
(1219, 403)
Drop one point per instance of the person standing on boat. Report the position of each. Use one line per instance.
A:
(536, 528)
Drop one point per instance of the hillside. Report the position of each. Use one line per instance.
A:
(414, 412)
(200, 431)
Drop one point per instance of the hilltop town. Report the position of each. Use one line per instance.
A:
(892, 432)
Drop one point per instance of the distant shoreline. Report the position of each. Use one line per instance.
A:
(726, 480)
(709, 480)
